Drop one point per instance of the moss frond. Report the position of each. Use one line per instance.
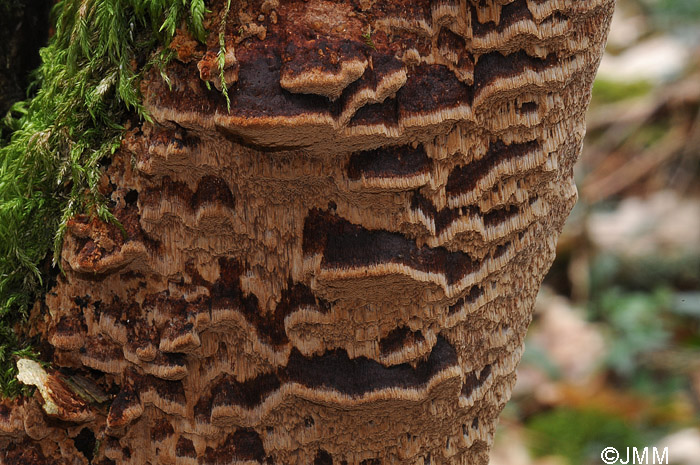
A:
(53, 143)
(221, 58)
(367, 38)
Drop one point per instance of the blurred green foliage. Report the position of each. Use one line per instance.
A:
(636, 323)
(607, 91)
(638, 302)
(678, 271)
(535, 355)
(672, 11)
(580, 435)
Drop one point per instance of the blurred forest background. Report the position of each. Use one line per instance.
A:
(613, 354)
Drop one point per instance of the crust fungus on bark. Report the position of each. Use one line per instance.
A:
(342, 268)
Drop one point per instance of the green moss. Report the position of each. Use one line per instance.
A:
(53, 143)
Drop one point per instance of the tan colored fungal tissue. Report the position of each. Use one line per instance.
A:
(341, 268)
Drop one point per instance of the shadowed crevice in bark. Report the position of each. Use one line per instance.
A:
(527, 107)
(85, 443)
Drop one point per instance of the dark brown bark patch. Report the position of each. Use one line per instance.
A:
(474, 293)
(323, 458)
(244, 444)
(464, 178)
(27, 453)
(494, 65)
(444, 217)
(346, 245)
(335, 370)
(185, 448)
(511, 13)
(247, 394)
(473, 380)
(389, 162)
(430, 88)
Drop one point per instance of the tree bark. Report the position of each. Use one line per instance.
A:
(341, 268)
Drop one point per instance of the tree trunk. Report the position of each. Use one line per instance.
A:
(341, 268)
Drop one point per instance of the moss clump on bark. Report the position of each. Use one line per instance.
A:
(51, 146)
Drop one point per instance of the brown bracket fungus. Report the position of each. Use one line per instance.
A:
(341, 268)
(57, 398)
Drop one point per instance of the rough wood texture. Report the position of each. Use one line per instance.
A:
(342, 269)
